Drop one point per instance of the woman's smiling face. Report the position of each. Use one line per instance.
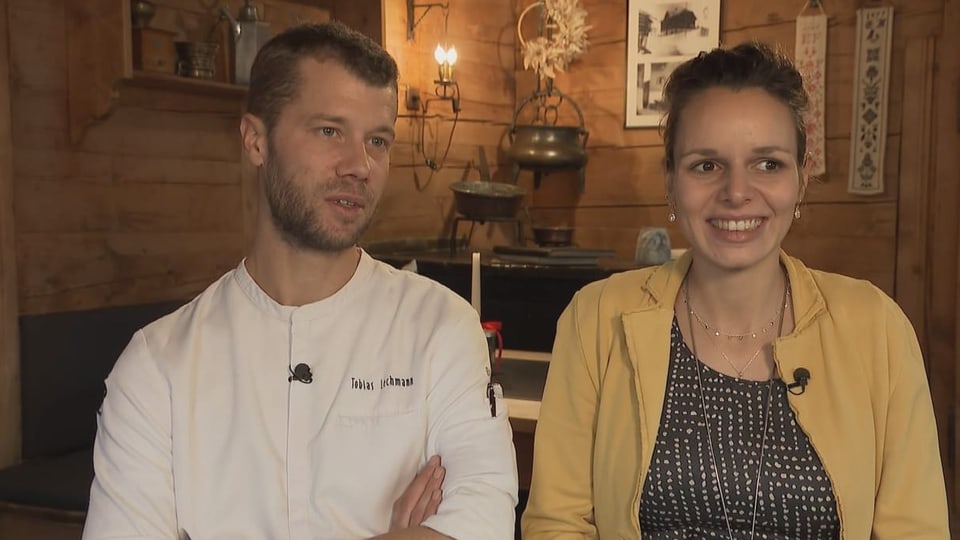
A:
(737, 178)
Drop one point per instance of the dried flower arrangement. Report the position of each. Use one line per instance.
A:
(566, 22)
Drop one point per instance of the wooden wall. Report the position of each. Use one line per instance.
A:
(938, 265)
(9, 352)
(418, 202)
(851, 234)
(150, 203)
(147, 204)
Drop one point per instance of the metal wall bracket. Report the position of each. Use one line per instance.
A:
(412, 7)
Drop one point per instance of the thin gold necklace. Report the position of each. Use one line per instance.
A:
(739, 370)
(706, 420)
(716, 332)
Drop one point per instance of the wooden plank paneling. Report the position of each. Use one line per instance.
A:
(139, 132)
(417, 201)
(147, 204)
(912, 273)
(95, 30)
(88, 270)
(367, 17)
(9, 329)
(39, 119)
(31, 38)
(944, 322)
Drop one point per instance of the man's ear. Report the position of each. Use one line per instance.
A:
(253, 136)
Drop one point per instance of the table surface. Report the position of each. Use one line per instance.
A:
(524, 411)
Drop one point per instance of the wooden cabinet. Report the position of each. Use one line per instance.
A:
(100, 47)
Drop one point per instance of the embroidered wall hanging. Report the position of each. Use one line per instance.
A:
(870, 90)
(811, 60)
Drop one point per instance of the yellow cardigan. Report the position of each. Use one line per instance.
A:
(866, 410)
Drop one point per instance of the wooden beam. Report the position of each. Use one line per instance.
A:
(916, 168)
(95, 30)
(9, 343)
(945, 285)
(943, 253)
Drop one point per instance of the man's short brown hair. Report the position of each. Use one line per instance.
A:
(275, 75)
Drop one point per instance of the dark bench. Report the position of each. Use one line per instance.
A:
(64, 359)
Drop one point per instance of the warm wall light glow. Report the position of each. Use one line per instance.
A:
(445, 56)
(445, 59)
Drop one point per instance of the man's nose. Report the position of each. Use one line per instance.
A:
(354, 160)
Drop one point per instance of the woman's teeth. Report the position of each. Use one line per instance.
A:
(736, 225)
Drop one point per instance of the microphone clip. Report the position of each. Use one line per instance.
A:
(300, 372)
(801, 376)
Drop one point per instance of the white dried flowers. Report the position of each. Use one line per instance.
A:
(568, 38)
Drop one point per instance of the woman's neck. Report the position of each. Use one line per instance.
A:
(736, 302)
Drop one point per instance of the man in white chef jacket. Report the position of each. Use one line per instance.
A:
(300, 395)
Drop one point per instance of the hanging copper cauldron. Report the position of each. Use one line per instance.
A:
(543, 146)
(547, 147)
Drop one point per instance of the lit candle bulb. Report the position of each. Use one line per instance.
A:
(445, 59)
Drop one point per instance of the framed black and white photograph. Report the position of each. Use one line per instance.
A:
(661, 36)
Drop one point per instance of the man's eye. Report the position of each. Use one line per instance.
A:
(328, 131)
(379, 141)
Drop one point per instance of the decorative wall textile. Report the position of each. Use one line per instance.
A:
(870, 93)
(811, 60)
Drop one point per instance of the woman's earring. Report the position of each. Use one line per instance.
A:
(796, 211)
(672, 217)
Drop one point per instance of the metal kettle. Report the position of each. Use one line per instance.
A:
(249, 34)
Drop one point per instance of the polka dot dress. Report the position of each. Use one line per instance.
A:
(680, 497)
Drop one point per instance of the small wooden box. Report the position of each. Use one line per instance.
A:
(153, 50)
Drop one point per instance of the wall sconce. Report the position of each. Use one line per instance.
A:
(446, 87)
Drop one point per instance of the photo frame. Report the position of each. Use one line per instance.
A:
(661, 35)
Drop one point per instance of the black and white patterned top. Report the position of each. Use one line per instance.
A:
(680, 497)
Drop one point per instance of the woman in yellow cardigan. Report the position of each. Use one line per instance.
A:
(735, 393)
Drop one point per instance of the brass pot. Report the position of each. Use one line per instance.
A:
(552, 236)
(487, 200)
(548, 147)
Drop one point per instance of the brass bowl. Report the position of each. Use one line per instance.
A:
(548, 147)
(487, 200)
(552, 236)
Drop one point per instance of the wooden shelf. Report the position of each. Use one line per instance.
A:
(186, 85)
(100, 57)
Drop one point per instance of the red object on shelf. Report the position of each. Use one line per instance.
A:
(494, 342)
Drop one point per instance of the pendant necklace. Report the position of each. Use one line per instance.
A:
(714, 332)
(706, 418)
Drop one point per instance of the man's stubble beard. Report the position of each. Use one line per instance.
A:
(294, 217)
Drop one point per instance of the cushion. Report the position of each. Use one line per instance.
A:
(64, 359)
(62, 483)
